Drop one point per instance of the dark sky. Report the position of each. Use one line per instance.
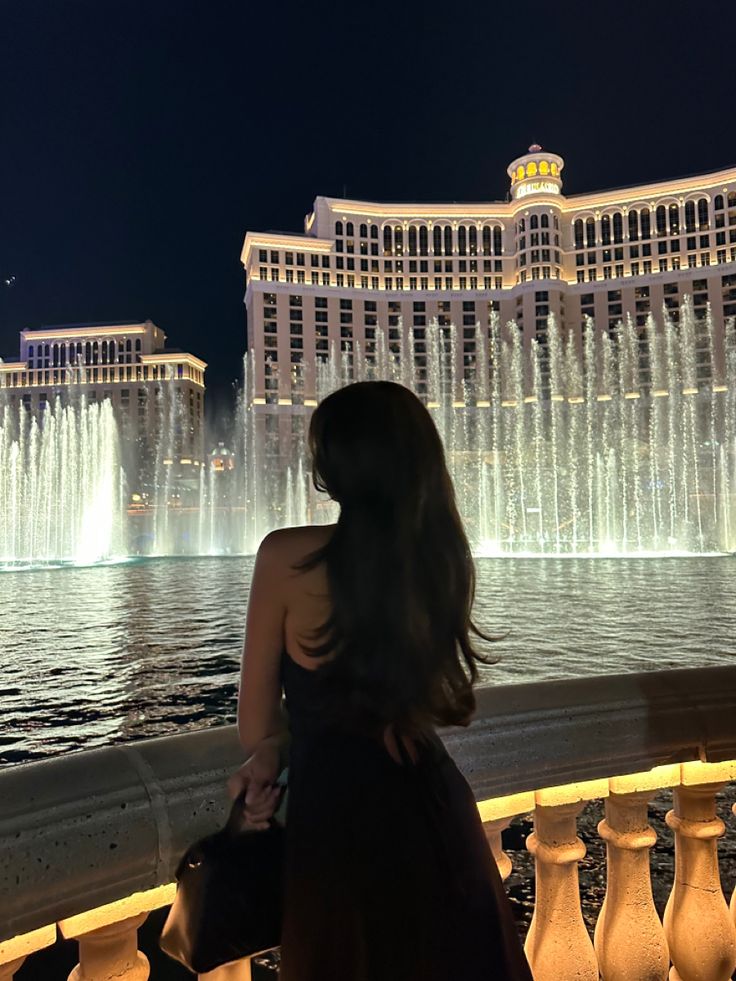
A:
(142, 138)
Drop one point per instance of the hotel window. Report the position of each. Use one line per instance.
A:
(618, 227)
(674, 220)
(661, 219)
(633, 226)
(606, 230)
(590, 232)
(703, 214)
(289, 258)
(689, 216)
(461, 240)
(646, 223)
(325, 279)
(338, 229)
(262, 255)
(448, 240)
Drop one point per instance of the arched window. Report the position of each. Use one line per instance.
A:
(138, 345)
(618, 228)
(545, 221)
(55, 355)
(423, 240)
(338, 229)
(95, 353)
(703, 213)
(634, 226)
(534, 222)
(661, 214)
(689, 216)
(732, 199)
(590, 232)
(399, 240)
(437, 240)
(350, 229)
(364, 231)
(497, 245)
(522, 225)
(462, 240)
(30, 350)
(88, 353)
(412, 240)
(646, 223)
(606, 230)
(128, 347)
(718, 202)
(448, 240)
(374, 231)
(104, 352)
(111, 350)
(387, 249)
(486, 240)
(62, 356)
(674, 220)
(473, 240)
(579, 242)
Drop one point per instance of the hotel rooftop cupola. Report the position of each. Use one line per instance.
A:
(537, 172)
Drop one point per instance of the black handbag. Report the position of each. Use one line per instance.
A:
(229, 895)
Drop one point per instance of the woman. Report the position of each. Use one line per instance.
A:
(365, 626)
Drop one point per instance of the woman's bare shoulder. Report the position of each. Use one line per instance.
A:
(292, 544)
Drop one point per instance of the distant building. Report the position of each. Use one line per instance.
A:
(157, 393)
(362, 267)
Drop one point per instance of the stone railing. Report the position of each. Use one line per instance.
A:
(89, 842)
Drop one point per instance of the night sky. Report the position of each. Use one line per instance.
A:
(142, 138)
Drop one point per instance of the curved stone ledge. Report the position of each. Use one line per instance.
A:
(80, 831)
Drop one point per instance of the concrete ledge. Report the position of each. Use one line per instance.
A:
(81, 831)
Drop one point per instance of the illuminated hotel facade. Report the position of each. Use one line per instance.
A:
(402, 270)
(150, 387)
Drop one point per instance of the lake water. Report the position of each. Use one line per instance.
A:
(92, 656)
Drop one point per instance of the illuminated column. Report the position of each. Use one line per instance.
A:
(629, 938)
(494, 830)
(699, 928)
(111, 952)
(557, 945)
(8, 970)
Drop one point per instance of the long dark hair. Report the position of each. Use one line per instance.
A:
(399, 568)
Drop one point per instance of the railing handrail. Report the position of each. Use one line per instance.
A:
(86, 829)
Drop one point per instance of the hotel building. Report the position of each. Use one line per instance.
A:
(157, 393)
(360, 267)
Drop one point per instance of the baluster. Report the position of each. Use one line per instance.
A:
(8, 969)
(629, 937)
(700, 932)
(494, 830)
(111, 952)
(557, 945)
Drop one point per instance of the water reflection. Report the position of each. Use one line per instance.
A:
(92, 656)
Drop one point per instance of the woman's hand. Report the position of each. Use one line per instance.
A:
(257, 777)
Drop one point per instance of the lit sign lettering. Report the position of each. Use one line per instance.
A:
(536, 187)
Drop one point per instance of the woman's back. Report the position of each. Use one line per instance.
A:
(365, 627)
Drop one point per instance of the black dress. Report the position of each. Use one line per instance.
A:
(388, 874)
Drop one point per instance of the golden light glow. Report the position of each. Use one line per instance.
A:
(284, 402)
(181, 358)
(483, 404)
(185, 460)
(571, 792)
(310, 402)
(458, 404)
(43, 335)
(655, 779)
(27, 943)
(509, 403)
(557, 398)
(531, 169)
(544, 167)
(689, 391)
(259, 401)
(554, 168)
(720, 388)
(501, 807)
(659, 393)
(575, 399)
(632, 395)
(121, 909)
(604, 398)
(530, 399)
(696, 772)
